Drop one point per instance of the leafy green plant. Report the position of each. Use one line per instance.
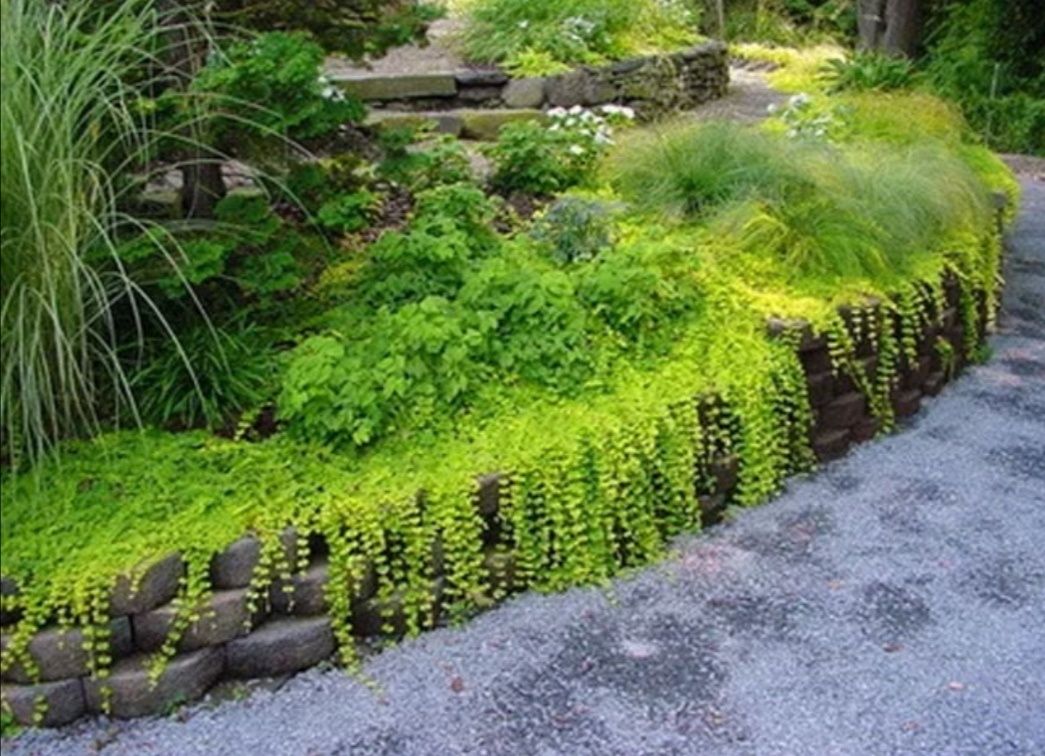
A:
(542, 160)
(348, 212)
(567, 32)
(419, 160)
(869, 71)
(575, 229)
(205, 378)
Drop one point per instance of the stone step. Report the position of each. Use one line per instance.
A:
(467, 123)
(370, 87)
(47, 704)
(281, 646)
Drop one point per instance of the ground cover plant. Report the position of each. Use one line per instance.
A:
(364, 323)
(543, 37)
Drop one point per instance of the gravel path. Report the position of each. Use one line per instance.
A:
(893, 603)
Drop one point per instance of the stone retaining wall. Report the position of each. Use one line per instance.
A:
(652, 85)
(293, 632)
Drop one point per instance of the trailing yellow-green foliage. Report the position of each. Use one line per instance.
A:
(597, 472)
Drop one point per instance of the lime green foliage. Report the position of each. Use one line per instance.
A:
(798, 69)
(541, 37)
(599, 380)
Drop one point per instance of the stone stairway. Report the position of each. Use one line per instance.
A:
(431, 82)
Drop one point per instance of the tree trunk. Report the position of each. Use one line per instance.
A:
(892, 27)
(202, 186)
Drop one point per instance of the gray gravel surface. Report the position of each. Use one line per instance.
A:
(894, 603)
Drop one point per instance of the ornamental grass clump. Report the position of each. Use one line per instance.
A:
(68, 124)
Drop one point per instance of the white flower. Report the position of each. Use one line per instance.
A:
(627, 112)
(524, 24)
(773, 108)
(799, 100)
(576, 149)
(557, 112)
(576, 110)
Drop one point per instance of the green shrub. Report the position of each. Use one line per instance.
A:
(575, 229)
(553, 33)
(639, 291)
(869, 71)
(529, 319)
(269, 88)
(348, 212)
(438, 159)
(542, 160)
(449, 231)
(205, 378)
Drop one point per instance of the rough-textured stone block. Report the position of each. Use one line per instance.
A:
(224, 617)
(59, 654)
(61, 702)
(843, 412)
(865, 430)
(370, 618)
(9, 589)
(308, 592)
(500, 565)
(399, 87)
(821, 388)
(447, 122)
(234, 567)
(711, 507)
(934, 383)
(480, 78)
(484, 125)
(524, 93)
(489, 495)
(479, 94)
(157, 585)
(845, 383)
(919, 372)
(281, 646)
(815, 360)
(724, 470)
(831, 444)
(907, 403)
(185, 678)
(807, 340)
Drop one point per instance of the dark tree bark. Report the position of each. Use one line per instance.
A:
(202, 186)
(892, 27)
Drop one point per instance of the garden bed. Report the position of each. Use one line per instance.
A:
(426, 399)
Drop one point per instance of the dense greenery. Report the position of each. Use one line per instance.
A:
(539, 37)
(370, 326)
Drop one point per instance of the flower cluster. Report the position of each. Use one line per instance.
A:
(803, 120)
(590, 131)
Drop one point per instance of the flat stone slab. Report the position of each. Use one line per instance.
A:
(224, 617)
(280, 646)
(397, 87)
(484, 125)
(133, 694)
(56, 703)
(446, 122)
(59, 654)
(157, 585)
